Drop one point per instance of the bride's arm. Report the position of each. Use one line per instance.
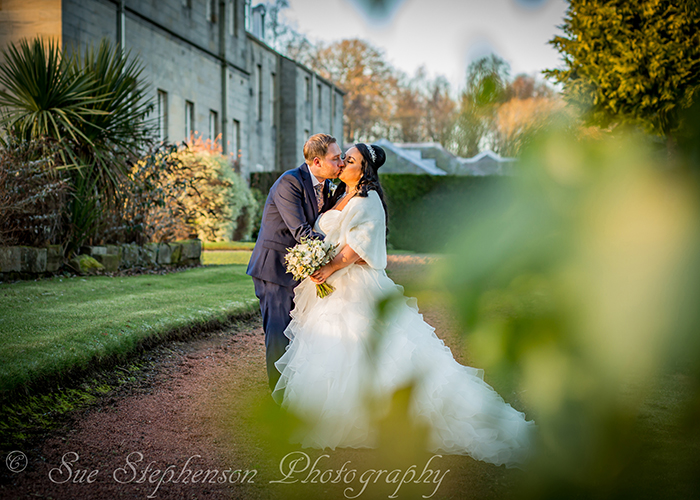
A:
(344, 258)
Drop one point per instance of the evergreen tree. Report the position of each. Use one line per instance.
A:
(631, 62)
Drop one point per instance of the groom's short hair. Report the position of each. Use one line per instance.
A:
(317, 145)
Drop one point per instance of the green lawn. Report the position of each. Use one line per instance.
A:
(225, 257)
(228, 245)
(221, 255)
(49, 327)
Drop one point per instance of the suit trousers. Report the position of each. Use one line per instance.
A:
(276, 301)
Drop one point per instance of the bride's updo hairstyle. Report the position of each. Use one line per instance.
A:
(369, 181)
(372, 160)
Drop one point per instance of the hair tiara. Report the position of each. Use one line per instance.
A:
(372, 153)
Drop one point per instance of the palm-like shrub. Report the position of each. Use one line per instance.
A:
(93, 105)
(43, 95)
(117, 131)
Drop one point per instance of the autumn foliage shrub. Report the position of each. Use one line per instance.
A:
(178, 192)
(219, 206)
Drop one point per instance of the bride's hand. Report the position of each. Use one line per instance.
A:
(322, 274)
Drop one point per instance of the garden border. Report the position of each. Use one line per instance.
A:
(23, 262)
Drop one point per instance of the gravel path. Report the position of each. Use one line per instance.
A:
(205, 407)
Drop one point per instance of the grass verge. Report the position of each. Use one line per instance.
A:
(57, 328)
(226, 257)
(228, 245)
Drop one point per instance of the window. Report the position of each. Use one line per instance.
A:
(211, 10)
(259, 93)
(309, 103)
(248, 15)
(236, 144)
(306, 134)
(189, 120)
(162, 115)
(232, 18)
(320, 95)
(333, 104)
(273, 96)
(213, 125)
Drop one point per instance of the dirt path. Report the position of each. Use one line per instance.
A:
(206, 408)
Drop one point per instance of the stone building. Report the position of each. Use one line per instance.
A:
(208, 73)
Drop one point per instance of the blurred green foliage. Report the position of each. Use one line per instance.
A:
(580, 278)
(425, 211)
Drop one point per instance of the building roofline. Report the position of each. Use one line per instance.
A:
(264, 44)
(420, 145)
(483, 154)
(182, 38)
(429, 169)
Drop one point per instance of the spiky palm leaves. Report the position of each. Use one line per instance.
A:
(94, 105)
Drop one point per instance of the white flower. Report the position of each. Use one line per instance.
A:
(306, 257)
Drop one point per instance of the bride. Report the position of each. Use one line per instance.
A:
(340, 355)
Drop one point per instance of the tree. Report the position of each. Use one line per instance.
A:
(380, 101)
(529, 106)
(370, 84)
(425, 110)
(517, 120)
(485, 88)
(410, 114)
(634, 63)
(440, 111)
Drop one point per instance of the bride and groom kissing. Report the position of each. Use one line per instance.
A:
(317, 348)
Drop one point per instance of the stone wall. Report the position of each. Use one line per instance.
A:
(28, 261)
(28, 18)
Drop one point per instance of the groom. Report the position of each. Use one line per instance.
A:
(294, 203)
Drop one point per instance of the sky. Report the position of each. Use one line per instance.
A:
(444, 36)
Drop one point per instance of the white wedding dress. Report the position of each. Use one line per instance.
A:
(326, 372)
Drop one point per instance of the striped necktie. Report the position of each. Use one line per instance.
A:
(318, 189)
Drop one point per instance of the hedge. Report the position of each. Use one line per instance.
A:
(424, 210)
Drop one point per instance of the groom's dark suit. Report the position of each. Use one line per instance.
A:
(289, 214)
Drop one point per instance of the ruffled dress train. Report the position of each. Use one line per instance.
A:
(340, 353)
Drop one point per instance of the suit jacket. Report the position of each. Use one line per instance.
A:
(290, 213)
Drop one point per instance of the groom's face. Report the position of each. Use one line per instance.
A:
(330, 165)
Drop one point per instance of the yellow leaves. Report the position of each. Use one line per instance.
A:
(519, 114)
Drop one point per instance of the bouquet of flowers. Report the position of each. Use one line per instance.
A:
(308, 256)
